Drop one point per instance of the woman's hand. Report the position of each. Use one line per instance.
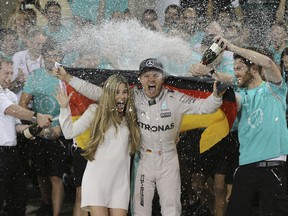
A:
(61, 97)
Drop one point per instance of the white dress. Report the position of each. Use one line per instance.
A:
(106, 180)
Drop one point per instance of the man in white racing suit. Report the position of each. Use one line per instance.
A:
(159, 112)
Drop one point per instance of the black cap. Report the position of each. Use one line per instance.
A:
(150, 63)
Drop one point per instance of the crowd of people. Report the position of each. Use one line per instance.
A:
(125, 167)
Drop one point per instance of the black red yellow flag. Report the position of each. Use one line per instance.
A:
(217, 124)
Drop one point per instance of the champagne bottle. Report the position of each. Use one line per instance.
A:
(211, 54)
(32, 131)
(208, 57)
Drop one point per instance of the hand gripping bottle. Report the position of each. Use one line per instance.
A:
(211, 54)
(32, 131)
(208, 57)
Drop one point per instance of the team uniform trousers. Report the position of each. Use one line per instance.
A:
(49, 157)
(12, 182)
(161, 167)
(270, 182)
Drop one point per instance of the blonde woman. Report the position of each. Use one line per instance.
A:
(114, 137)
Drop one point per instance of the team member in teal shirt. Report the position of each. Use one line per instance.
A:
(48, 154)
(262, 132)
(54, 28)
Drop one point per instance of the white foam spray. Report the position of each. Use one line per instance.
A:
(126, 43)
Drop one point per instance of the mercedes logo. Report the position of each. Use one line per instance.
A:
(150, 63)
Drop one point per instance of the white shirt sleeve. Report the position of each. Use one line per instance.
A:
(72, 129)
(192, 105)
(87, 89)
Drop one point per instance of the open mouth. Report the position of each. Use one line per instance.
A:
(152, 88)
(120, 106)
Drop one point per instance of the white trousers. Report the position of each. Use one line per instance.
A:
(160, 169)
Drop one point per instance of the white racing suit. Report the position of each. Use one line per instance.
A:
(156, 163)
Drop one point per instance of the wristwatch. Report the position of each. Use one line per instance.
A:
(34, 117)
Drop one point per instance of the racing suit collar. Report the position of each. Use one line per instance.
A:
(152, 101)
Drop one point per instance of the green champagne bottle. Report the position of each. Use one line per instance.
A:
(211, 54)
(32, 131)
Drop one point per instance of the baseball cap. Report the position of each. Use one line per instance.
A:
(150, 63)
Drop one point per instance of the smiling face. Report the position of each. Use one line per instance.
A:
(6, 74)
(121, 96)
(152, 82)
(242, 73)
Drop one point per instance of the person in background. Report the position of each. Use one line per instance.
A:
(54, 28)
(190, 27)
(277, 41)
(49, 153)
(115, 118)
(8, 42)
(21, 22)
(12, 181)
(24, 62)
(172, 20)
(150, 21)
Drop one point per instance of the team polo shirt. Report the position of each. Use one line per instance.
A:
(42, 86)
(22, 60)
(7, 122)
(262, 126)
(277, 53)
(60, 36)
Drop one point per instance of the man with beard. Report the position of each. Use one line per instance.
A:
(262, 132)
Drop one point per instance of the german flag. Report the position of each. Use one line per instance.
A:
(217, 124)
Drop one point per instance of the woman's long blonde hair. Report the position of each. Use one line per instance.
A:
(107, 116)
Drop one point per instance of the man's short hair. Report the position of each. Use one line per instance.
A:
(51, 4)
(150, 11)
(249, 63)
(173, 6)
